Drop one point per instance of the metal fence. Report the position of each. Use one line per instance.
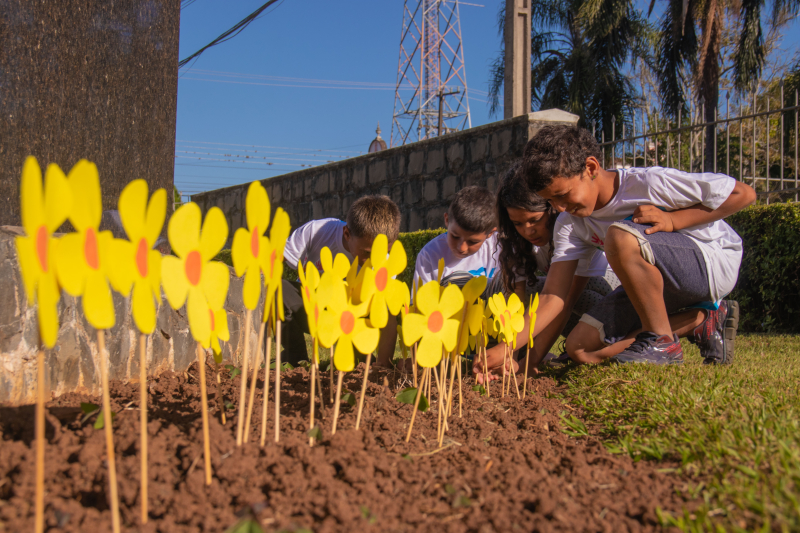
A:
(758, 145)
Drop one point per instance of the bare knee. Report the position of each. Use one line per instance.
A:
(582, 342)
(619, 241)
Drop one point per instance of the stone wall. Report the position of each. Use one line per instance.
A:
(73, 365)
(421, 177)
(88, 79)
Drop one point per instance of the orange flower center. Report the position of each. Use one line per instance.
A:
(381, 277)
(347, 322)
(308, 293)
(316, 314)
(503, 318)
(193, 267)
(435, 322)
(41, 247)
(213, 324)
(90, 249)
(254, 242)
(141, 257)
(272, 259)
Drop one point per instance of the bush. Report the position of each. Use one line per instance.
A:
(768, 290)
(413, 242)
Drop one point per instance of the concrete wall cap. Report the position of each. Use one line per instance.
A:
(553, 115)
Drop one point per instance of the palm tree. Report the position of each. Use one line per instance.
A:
(578, 51)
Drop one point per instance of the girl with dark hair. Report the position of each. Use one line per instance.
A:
(525, 231)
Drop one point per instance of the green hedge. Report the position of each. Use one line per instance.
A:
(768, 290)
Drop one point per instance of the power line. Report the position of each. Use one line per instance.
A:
(276, 147)
(231, 33)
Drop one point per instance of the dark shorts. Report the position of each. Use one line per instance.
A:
(685, 282)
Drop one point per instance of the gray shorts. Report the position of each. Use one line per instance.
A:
(685, 282)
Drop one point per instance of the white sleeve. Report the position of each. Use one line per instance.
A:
(568, 244)
(675, 189)
(596, 267)
(297, 244)
(423, 272)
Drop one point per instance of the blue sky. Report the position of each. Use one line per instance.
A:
(305, 83)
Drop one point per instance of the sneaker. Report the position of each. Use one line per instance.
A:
(716, 336)
(650, 348)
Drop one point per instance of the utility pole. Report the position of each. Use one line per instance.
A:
(517, 82)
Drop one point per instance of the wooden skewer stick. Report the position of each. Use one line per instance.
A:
(256, 368)
(485, 364)
(425, 373)
(503, 395)
(201, 362)
(513, 373)
(112, 465)
(414, 362)
(243, 380)
(450, 393)
(277, 381)
(312, 396)
(460, 397)
(143, 419)
(363, 391)
(527, 359)
(265, 401)
(220, 399)
(330, 364)
(338, 400)
(40, 436)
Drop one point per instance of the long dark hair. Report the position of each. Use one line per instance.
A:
(516, 253)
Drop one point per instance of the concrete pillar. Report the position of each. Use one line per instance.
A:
(517, 83)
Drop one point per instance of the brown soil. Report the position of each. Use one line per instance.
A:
(504, 466)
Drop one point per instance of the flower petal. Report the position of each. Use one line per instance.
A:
(251, 291)
(378, 314)
(184, 229)
(154, 273)
(380, 248)
(199, 319)
(32, 208)
(429, 351)
(156, 213)
(28, 266)
(143, 307)
(328, 328)
(258, 208)
(280, 231)
(132, 207)
(87, 202)
(449, 334)
(366, 340)
(451, 302)
(397, 259)
(70, 264)
(175, 284)
(474, 288)
(514, 304)
(343, 356)
(427, 299)
(326, 259)
(47, 312)
(98, 305)
(216, 278)
(240, 251)
(414, 327)
(57, 197)
(214, 234)
(397, 295)
(221, 322)
(121, 269)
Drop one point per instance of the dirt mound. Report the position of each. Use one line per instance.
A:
(504, 466)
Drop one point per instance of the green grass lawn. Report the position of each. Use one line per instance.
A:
(732, 432)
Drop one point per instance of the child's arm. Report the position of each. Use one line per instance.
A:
(387, 342)
(741, 196)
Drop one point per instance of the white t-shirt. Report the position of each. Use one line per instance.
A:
(484, 262)
(580, 238)
(597, 266)
(305, 243)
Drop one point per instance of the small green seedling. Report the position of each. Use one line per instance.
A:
(315, 433)
(409, 395)
(574, 427)
(233, 370)
(349, 398)
(90, 409)
(246, 525)
(284, 366)
(479, 389)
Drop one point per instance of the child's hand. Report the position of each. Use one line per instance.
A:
(658, 219)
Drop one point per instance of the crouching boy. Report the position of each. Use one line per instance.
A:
(368, 217)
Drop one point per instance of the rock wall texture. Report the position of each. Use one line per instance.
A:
(421, 177)
(88, 79)
(73, 364)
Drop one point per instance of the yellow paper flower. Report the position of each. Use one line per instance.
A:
(272, 264)
(250, 244)
(192, 277)
(472, 320)
(532, 307)
(83, 258)
(341, 322)
(432, 322)
(379, 282)
(219, 331)
(309, 282)
(507, 318)
(42, 214)
(134, 264)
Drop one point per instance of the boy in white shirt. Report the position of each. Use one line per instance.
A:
(663, 235)
(469, 247)
(368, 217)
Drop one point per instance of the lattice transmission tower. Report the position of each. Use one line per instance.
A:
(431, 97)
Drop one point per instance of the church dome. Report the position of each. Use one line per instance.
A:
(377, 143)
